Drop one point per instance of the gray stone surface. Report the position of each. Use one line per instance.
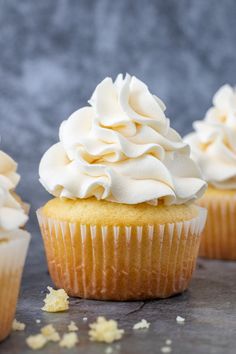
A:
(52, 54)
(209, 308)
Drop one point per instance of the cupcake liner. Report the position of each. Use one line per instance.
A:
(121, 262)
(219, 236)
(12, 258)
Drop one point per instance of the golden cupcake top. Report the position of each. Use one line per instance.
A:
(213, 141)
(12, 210)
(121, 148)
(93, 212)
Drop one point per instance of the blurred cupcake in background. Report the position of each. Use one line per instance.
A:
(13, 242)
(213, 146)
(123, 224)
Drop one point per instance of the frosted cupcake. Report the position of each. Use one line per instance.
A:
(13, 242)
(214, 148)
(123, 224)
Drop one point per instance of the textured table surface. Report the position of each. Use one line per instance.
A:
(209, 307)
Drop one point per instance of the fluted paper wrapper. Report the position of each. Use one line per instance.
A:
(121, 262)
(12, 258)
(219, 236)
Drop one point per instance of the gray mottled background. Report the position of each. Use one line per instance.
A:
(54, 52)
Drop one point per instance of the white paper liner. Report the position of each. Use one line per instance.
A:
(106, 262)
(12, 258)
(219, 236)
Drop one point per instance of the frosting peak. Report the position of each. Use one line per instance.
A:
(12, 214)
(214, 141)
(121, 148)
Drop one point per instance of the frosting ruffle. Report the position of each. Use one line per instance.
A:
(12, 213)
(214, 141)
(121, 148)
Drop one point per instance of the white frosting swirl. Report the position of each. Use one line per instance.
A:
(12, 214)
(214, 141)
(122, 149)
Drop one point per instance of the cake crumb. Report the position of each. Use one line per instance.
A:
(143, 324)
(85, 319)
(50, 333)
(56, 300)
(18, 326)
(109, 350)
(38, 321)
(36, 341)
(166, 349)
(72, 327)
(168, 342)
(180, 319)
(105, 330)
(69, 340)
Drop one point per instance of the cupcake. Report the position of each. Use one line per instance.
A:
(213, 146)
(13, 242)
(122, 224)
